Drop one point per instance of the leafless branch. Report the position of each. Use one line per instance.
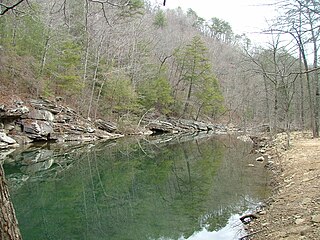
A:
(289, 74)
(7, 8)
(305, 72)
(313, 10)
(111, 3)
(103, 11)
(250, 234)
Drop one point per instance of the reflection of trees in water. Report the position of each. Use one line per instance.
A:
(135, 191)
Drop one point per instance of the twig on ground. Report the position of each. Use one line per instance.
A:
(251, 234)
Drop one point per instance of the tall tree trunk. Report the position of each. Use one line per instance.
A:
(188, 98)
(301, 94)
(85, 57)
(98, 100)
(275, 110)
(302, 115)
(94, 81)
(301, 45)
(276, 86)
(316, 76)
(310, 95)
(267, 99)
(44, 58)
(9, 229)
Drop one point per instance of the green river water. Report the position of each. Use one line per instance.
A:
(168, 188)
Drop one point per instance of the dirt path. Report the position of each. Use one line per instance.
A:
(294, 210)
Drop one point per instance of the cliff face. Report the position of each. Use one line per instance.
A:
(23, 122)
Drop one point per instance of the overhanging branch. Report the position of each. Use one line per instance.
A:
(7, 8)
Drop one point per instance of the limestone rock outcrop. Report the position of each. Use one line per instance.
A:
(45, 120)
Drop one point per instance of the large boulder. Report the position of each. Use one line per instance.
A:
(105, 125)
(37, 129)
(14, 112)
(44, 104)
(193, 125)
(40, 115)
(4, 145)
(200, 126)
(178, 126)
(4, 138)
(162, 127)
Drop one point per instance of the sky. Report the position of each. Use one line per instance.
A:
(244, 16)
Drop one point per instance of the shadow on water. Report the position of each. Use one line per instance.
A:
(154, 188)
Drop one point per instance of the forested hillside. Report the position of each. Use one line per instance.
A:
(121, 59)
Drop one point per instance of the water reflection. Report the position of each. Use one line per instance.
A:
(231, 231)
(137, 189)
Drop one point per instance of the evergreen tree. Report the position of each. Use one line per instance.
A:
(157, 93)
(197, 76)
(160, 20)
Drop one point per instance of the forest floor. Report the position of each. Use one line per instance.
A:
(293, 210)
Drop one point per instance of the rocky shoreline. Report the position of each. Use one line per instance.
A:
(292, 212)
(42, 120)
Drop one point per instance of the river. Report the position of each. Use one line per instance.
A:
(156, 188)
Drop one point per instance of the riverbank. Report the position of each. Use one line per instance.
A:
(293, 211)
(28, 121)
